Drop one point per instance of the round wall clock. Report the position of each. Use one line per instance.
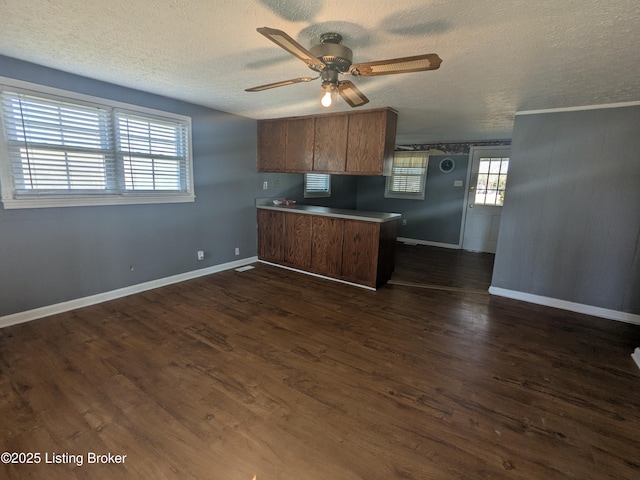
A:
(447, 165)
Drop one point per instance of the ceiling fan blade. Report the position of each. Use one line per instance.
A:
(280, 84)
(351, 94)
(418, 63)
(290, 45)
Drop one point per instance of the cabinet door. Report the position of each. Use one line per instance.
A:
(297, 240)
(270, 232)
(271, 145)
(371, 141)
(299, 145)
(360, 252)
(326, 245)
(330, 148)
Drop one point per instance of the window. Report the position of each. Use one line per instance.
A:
(317, 185)
(152, 153)
(64, 149)
(492, 180)
(408, 175)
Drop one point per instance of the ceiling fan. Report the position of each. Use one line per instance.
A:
(330, 58)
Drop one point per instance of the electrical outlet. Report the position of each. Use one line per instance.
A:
(200, 255)
(265, 185)
(237, 250)
(404, 221)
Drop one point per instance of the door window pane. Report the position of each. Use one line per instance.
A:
(492, 181)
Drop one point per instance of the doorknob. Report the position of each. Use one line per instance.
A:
(471, 205)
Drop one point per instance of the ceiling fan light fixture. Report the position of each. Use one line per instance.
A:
(330, 95)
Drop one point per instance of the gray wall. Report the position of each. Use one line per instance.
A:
(438, 217)
(435, 219)
(291, 186)
(52, 255)
(570, 226)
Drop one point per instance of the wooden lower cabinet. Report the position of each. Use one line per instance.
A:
(297, 239)
(352, 250)
(326, 246)
(360, 251)
(270, 235)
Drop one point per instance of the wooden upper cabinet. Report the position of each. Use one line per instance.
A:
(272, 135)
(360, 143)
(371, 142)
(330, 146)
(299, 145)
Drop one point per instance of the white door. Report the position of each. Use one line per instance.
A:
(487, 183)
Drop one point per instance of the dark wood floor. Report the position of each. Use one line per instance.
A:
(443, 268)
(285, 376)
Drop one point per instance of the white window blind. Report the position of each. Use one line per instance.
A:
(153, 153)
(408, 175)
(55, 146)
(59, 151)
(317, 185)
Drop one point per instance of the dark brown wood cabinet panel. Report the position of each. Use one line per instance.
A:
(297, 240)
(299, 147)
(360, 143)
(356, 251)
(371, 142)
(330, 144)
(271, 235)
(272, 135)
(360, 252)
(326, 245)
(386, 252)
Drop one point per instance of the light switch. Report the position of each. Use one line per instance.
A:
(458, 183)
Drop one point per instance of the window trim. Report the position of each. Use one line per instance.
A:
(317, 193)
(388, 193)
(11, 201)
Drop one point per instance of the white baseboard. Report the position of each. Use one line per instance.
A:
(565, 305)
(318, 275)
(62, 307)
(426, 242)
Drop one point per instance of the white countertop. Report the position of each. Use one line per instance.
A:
(379, 217)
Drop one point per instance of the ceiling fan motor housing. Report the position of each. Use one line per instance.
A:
(332, 53)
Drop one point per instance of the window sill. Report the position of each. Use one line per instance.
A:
(91, 201)
(405, 196)
(317, 195)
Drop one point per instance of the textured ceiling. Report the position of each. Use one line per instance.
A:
(498, 56)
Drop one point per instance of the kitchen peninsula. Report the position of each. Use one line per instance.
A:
(348, 245)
